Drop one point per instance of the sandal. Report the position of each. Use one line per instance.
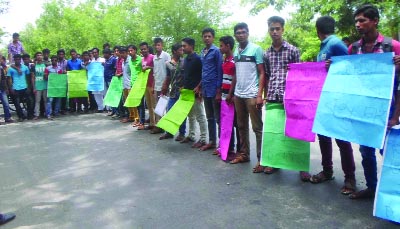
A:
(259, 168)
(321, 177)
(216, 152)
(305, 176)
(349, 186)
(135, 124)
(207, 147)
(140, 127)
(198, 144)
(240, 159)
(270, 170)
(363, 194)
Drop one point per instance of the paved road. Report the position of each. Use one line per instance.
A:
(92, 172)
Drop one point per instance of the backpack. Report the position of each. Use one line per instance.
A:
(387, 45)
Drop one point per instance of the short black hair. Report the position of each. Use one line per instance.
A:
(106, 45)
(228, 40)
(175, 47)
(37, 53)
(276, 19)
(53, 57)
(241, 25)
(26, 55)
(122, 49)
(97, 50)
(17, 56)
(46, 50)
(157, 40)
(370, 11)
(60, 51)
(325, 25)
(107, 51)
(133, 47)
(15, 35)
(189, 41)
(85, 53)
(72, 50)
(116, 47)
(144, 43)
(346, 39)
(208, 30)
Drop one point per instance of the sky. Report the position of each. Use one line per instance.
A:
(22, 12)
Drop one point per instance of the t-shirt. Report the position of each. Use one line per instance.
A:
(40, 83)
(331, 46)
(192, 71)
(246, 62)
(19, 80)
(148, 61)
(228, 70)
(159, 69)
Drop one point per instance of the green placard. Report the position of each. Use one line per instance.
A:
(77, 84)
(174, 118)
(114, 92)
(57, 85)
(279, 151)
(137, 92)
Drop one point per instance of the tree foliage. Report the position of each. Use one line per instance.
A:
(302, 22)
(94, 22)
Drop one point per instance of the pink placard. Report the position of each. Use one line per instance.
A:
(227, 117)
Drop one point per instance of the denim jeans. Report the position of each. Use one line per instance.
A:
(6, 106)
(57, 107)
(171, 102)
(142, 112)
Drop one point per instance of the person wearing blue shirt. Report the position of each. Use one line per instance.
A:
(211, 82)
(18, 86)
(331, 45)
(75, 104)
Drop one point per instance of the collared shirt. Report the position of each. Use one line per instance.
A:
(120, 63)
(276, 64)
(135, 67)
(192, 71)
(74, 64)
(331, 46)
(175, 76)
(109, 68)
(126, 72)
(15, 48)
(160, 70)
(63, 65)
(99, 59)
(247, 76)
(19, 80)
(148, 61)
(228, 70)
(211, 78)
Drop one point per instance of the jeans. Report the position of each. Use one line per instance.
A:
(142, 112)
(171, 102)
(369, 164)
(212, 114)
(244, 108)
(6, 106)
(49, 109)
(18, 97)
(197, 114)
(346, 155)
(38, 97)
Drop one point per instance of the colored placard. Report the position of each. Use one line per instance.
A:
(57, 85)
(174, 118)
(279, 151)
(356, 97)
(95, 71)
(227, 118)
(137, 92)
(77, 84)
(304, 84)
(114, 92)
(387, 199)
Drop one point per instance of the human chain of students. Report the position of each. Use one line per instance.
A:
(128, 79)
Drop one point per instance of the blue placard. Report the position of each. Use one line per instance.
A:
(95, 76)
(387, 199)
(356, 97)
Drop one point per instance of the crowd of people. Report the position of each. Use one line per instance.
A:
(245, 76)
